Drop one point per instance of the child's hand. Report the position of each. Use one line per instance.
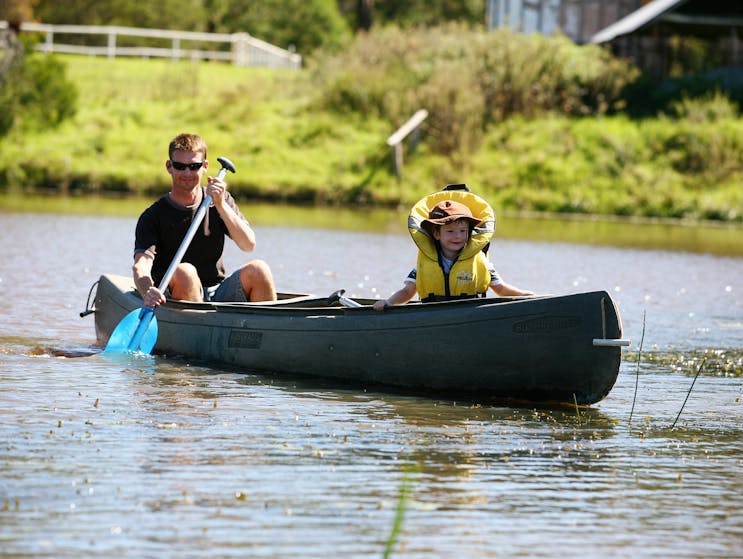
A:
(380, 305)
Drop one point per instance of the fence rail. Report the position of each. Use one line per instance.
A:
(412, 126)
(243, 50)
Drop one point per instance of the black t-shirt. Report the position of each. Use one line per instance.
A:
(160, 232)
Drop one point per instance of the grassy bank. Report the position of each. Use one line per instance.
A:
(288, 148)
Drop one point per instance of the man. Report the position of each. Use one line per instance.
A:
(161, 228)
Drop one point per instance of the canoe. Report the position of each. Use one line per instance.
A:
(550, 349)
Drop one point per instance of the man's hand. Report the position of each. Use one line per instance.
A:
(153, 298)
(216, 188)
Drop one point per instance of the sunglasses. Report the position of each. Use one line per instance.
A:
(178, 166)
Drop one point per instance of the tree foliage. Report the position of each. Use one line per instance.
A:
(303, 25)
(365, 14)
(414, 13)
(36, 94)
(189, 15)
(16, 10)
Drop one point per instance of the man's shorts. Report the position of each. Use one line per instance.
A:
(230, 290)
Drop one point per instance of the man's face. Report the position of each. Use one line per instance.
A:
(186, 168)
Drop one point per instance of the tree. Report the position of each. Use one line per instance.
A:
(428, 12)
(361, 15)
(304, 25)
(33, 87)
(16, 11)
(358, 13)
(188, 15)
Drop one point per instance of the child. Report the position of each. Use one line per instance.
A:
(451, 260)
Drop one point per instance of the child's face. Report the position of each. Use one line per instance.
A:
(453, 236)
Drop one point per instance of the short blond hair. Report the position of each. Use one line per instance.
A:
(187, 142)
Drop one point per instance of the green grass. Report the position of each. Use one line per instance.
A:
(287, 148)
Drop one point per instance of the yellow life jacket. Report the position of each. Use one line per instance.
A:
(469, 275)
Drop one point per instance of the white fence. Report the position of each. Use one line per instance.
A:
(244, 50)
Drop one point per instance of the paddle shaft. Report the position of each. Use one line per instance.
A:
(350, 303)
(200, 213)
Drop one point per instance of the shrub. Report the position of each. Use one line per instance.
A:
(469, 79)
(648, 97)
(44, 94)
(36, 94)
(709, 107)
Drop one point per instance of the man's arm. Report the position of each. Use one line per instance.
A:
(142, 274)
(239, 229)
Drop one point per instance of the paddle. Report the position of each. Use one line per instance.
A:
(345, 301)
(137, 331)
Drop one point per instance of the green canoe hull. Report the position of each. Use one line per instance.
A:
(555, 349)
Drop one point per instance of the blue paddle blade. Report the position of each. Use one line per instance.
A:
(137, 331)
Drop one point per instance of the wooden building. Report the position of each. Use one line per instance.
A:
(578, 19)
(654, 35)
(648, 31)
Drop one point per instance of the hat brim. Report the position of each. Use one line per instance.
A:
(428, 224)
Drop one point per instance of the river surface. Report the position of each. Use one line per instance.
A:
(156, 458)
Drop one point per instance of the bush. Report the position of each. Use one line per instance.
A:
(44, 94)
(36, 94)
(469, 79)
(710, 107)
(648, 97)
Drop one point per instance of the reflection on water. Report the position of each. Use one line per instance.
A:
(114, 460)
(718, 362)
(705, 237)
(154, 457)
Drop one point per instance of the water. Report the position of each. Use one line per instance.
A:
(150, 457)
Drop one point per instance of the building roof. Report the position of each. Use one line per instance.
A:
(712, 16)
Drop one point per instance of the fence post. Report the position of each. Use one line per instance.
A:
(397, 160)
(111, 44)
(240, 48)
(395, 141)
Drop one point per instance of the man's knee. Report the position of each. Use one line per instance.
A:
(257, 281)
(185, 283)
(184, 273)
(255, 272)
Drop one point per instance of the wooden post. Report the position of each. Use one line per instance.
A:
(397, 160)
(111, 44)
(395, 141)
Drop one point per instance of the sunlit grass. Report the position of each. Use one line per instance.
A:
(288, 149)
